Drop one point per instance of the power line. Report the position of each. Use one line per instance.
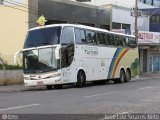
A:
(20, 5)
(16, 8)
(28, 7)
(24, 5)
(23, 10)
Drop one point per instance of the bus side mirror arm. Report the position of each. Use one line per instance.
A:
(15, 56)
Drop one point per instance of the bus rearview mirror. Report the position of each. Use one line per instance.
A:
(57, 53)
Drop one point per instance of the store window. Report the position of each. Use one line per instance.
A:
(153, 19)
(126, 26)
(116, 25)
(156, 3)
(149, 2)
(142, 1)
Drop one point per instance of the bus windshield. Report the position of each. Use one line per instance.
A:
(44, 36)
(40, 60)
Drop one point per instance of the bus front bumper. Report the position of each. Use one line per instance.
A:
(43, 82)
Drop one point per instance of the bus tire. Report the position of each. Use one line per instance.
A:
(128, 75)
(58, 86)
(49, 87)
(122, 76)
(81, 79)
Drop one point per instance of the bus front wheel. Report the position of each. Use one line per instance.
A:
(58, 86)
(49, 87)
(81, 78)
(122, 78)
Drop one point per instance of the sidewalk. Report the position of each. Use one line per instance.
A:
(17, 88)
(12, 88)
(155, 75)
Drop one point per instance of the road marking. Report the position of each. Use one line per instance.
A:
(149, 87)
(18, 107)
(99, 94)
(150, 100)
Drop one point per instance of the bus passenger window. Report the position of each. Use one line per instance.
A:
(118, 40)
(101, 38)
(110, 40)
(80, 36)
(124, 41)
(91, 37)
(132, 42)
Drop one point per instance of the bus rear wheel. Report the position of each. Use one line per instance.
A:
(122, 76)
(128, 75)
(81, 78)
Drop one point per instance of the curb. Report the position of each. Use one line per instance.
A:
(19, 89)
(147, 78)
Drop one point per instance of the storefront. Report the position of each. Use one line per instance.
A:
(149, 51)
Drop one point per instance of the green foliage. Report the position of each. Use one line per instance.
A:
(10, 67)
(1, 67)
(135, 67)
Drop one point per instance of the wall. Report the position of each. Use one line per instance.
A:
(11, 77)
(119, 15)
(14, 25)
(125, 3)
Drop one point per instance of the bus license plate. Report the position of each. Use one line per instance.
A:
(40, 83)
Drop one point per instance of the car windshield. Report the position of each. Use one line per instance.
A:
(40, 60)
(44, 36)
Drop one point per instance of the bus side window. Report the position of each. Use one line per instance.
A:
(127, 42)
(101, 38)
(118, 40)
(132, 42)
(110, 39)
(67, 50)
(124, 41)
(80, 36)
(67, 36)
(91, 37)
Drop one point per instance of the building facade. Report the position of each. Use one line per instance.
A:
(65, 11)
(14, 25)
(149, 43)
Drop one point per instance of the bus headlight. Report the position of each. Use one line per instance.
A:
(55, 75)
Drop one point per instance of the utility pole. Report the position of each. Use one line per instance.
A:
(136, 18)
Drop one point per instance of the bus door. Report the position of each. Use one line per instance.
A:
(67, 53)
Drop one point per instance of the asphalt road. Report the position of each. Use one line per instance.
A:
(137, 96)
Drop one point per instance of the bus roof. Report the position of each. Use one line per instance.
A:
(80, 26)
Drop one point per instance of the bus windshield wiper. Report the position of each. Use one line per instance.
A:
(31, 45)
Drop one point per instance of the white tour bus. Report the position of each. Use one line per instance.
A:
(60, 54)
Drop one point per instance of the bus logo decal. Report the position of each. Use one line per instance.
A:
(120, 52)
